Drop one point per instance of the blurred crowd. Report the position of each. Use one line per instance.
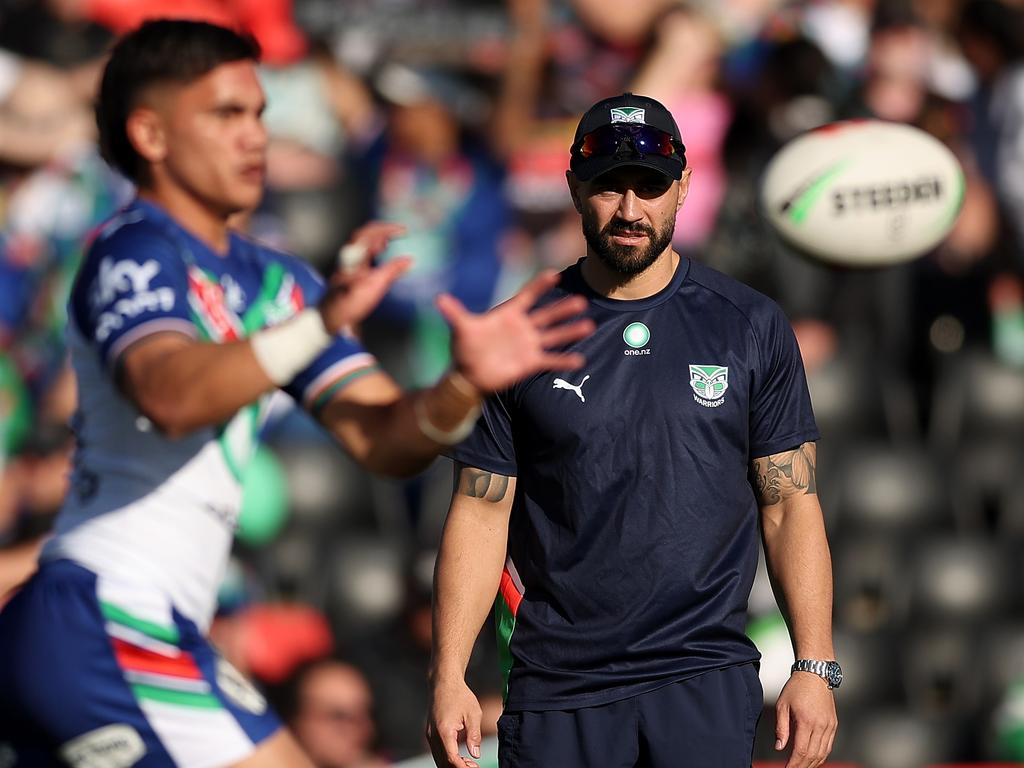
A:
(454, 118)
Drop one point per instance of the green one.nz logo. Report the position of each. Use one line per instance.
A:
(709, 383)
(637, 336)
(628, 115)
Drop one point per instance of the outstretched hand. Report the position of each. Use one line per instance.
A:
(497, 348)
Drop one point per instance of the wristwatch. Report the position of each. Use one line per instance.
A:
(828, 670)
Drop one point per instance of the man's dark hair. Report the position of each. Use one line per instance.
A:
(162, 51)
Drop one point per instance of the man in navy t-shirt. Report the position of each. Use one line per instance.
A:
(614, 510)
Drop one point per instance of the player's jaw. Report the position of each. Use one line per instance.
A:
(627, 247)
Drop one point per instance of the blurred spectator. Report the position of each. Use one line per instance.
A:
(316, 112)
(32, 487)
(428, 174)
(991, 34)
(43, 112)
(329, 707)
(682, 71)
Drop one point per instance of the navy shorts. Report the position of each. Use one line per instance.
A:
(96, 673)
(706, 721)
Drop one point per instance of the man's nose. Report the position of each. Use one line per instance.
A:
(629, 208)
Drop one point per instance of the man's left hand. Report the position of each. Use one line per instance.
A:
(805, 716)
(495, 349)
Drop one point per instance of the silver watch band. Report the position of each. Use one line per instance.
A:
(815, 666)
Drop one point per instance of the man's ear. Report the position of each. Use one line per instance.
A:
(684, 187)
(147, 134)
(574, 190)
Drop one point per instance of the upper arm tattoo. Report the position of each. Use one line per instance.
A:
(479, 483)
(783, 475)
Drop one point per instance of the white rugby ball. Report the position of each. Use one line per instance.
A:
(863, 193)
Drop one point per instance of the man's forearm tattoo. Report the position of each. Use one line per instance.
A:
(481, 484)
(782, 475)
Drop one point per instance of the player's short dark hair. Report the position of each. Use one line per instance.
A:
(171, 51)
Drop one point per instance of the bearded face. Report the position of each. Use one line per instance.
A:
(627, 259)
(629, 217)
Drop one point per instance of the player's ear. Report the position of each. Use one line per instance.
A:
(684, 187)
(574, 190)
(146, 132)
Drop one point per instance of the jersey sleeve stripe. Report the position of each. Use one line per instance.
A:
(335, 374)
(150, 629)
(133, 657)
(160, 325)
(325, 397)
(177, 698)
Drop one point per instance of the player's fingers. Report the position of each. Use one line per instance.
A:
(473, 735)
(816, 744)
(781, 725)
(566, 333)
(451, 309)
(352, 257)
(377, 234)
(393, 270)
(450, 743)
(570, 361)
(831, 739)
(801, 756)
(534, 289)
(558, 311)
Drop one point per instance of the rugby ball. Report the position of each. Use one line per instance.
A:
(863, 193)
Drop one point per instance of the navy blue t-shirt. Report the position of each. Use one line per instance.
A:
(633, 538)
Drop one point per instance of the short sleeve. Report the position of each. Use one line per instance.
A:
(342, 363)
(490, 446)
(132, 283)
(781, 416)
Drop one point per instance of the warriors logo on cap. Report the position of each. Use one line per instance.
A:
(627, 115)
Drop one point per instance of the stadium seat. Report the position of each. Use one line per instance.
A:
(325, 488)
(366, 583)
(1002, 652)
(890, 737)
(872, 591)
(941, 670)
(985, 489)
(890, 488)
(961, 579)
(977, 396)
(844, 405)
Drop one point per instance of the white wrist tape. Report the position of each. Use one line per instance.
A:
(451, 437)
(285, 349)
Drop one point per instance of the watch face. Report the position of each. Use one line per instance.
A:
(834, 674)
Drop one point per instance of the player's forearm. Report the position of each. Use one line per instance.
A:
(404, 432)
(800, 566)
(468, 570)
(185, 386)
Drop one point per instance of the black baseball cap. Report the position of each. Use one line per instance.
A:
(627, 130)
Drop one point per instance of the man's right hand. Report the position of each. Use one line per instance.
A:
(357, 288)
(454, 712)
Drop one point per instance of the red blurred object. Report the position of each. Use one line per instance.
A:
(280, 636)
(269, 21)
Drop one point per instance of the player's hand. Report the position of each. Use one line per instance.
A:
(367, 242)
(805, 718)
(455, 715)
(497, 348)
(357, 287)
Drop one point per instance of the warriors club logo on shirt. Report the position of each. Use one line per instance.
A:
(709, 383)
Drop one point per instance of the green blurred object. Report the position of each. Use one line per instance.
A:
(264, 499)
(1010, 724)
(15, 408)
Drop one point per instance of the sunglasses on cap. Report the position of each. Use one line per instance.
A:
(644, 139)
